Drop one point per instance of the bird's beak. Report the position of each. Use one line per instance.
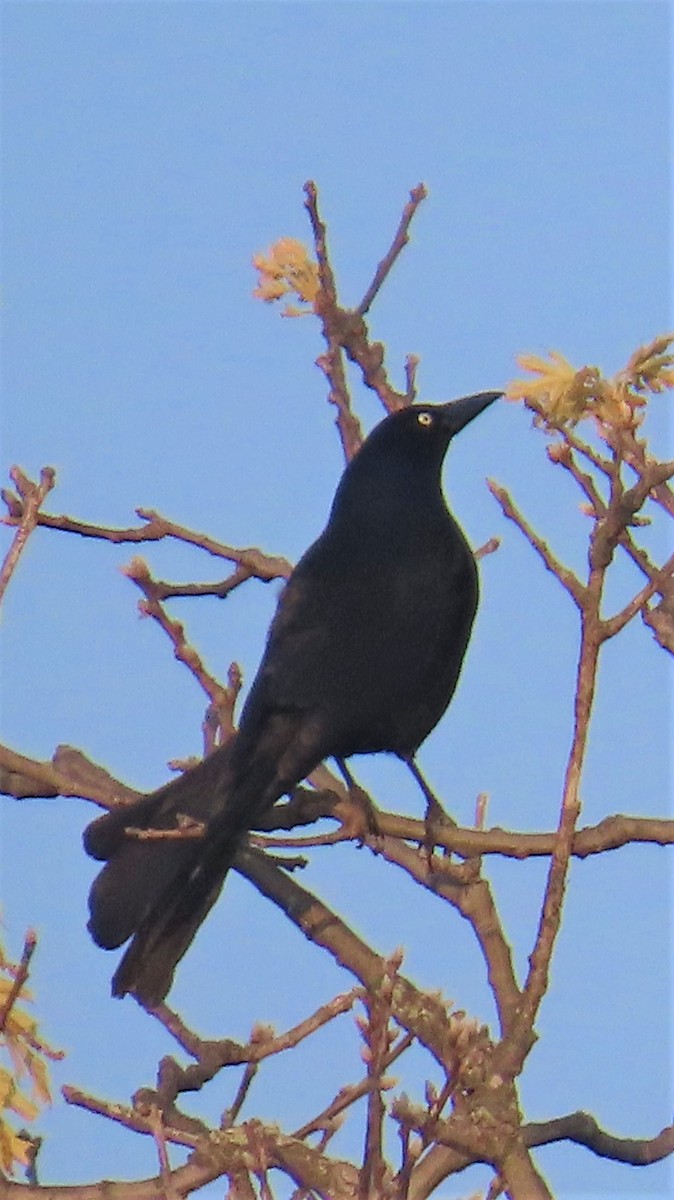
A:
(459, 412)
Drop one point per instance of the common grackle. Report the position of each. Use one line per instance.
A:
(363, 655)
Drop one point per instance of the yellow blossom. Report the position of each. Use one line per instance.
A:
(287, 269)
(651, 367)
(24, 1081)
(562, 395)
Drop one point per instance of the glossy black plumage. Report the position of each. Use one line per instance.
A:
(363, 655)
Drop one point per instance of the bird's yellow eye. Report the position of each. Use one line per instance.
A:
(424, 418)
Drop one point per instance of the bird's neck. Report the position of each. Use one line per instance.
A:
(398, 496)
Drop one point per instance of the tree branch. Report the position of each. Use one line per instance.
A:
(211, 1056)
(565, 576)
(583, 1129)
(331, 363)
(400, 240)
(26, 515)
(250, 561)
(345, 329)
(420, 1013)
(20, 977)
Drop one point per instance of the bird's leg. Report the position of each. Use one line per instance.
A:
(361, 820)
(434, 809)
(435, 815)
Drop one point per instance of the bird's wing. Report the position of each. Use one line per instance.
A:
(359, 636)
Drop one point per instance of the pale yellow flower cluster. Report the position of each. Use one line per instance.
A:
(24, 1081)
(285, 270)
(563, 395)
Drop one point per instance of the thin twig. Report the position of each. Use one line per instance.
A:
(582, 447)
(613, 625)
(565, 576)
(156, 1124)
(488, 547)
(32, 496)
(332, 362)
(517, 1043)
(230, 1114)
(411, 364)
(400, 240)
(156, 527)
(29, 944)
(561, 453)
(222, 698)
(349, 1094)
(345, 329)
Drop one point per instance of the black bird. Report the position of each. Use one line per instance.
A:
(363, 655)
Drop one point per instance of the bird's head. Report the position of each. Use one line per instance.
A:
(404, 454)
(422, 432)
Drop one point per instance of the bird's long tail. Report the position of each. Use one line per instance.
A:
(157, 890)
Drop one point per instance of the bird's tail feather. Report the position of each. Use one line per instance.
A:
(159, 889)
(159, 942)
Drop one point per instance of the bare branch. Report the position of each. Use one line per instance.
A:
(378, 1037)
(157, 1129)
(131, 1118)
(520, 1037)
(400, 240)
(32, 496)
(584, 1130)
(471, 896)
(565, 576)
(251, 561)
(222, 698)
(331, 363)
(345, 329)
(20, 977)
(658, 583)
(68, 774)
(349, 1094)
(71, 774)
(420, 1013)
(187, 1179)
(227, 1153)
(212, 1056)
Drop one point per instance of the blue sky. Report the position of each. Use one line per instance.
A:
(150, 149)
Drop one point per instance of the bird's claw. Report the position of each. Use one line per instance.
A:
(434, 820)
(357, 814)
